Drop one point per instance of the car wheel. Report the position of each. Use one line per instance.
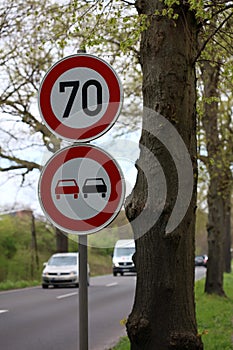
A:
(114, 274)
(122, 273)
(85, 195)
(44, 286)
(75, 196)
(103, 195)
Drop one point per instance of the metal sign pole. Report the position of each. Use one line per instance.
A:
(83, 293)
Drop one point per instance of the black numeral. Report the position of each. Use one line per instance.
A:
(75, 86)
(98, 86)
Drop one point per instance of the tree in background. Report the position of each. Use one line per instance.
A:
(216, 86)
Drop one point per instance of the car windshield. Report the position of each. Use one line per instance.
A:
(63, 183)
(91, 182)
(62, 260)
(125, 251)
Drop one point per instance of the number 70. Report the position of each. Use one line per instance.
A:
(75, 86)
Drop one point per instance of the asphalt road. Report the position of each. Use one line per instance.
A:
(36, 318)
(200, 272)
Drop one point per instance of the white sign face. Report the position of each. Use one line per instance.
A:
(80, 98)
(81, 189)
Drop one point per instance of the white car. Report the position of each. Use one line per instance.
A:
(62, 269)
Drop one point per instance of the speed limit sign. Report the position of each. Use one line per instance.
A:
(80, 97)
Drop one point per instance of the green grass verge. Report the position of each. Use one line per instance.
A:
(214, 318)
(20, 284)
(122, 345)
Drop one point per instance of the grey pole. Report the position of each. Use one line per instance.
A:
(83, 293)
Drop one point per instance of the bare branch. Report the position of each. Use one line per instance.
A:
(212, 35)
(21, 163)
(204, 159)
(129, 3)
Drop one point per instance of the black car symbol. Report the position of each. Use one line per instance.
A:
(94, 185)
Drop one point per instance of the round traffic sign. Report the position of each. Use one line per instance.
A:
(80, 97)
(81, 189)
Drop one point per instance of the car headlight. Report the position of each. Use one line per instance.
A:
(116, 265)
(73, 273)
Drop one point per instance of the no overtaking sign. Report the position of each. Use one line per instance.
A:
(81, 189)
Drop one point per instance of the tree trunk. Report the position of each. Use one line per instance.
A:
(61, 241)
(163, 315)
(215, 226)
(227, 186)
(227, 239)
(34, 249)
(216, 194)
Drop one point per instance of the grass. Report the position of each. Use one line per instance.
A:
(20, 284)
(122, 345)
(214, 318)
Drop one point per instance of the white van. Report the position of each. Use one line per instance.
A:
(122, 257)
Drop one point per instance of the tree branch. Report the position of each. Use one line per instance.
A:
(203, 159)
(222, 10)
(128, 2)
(211, 36)
(21, 163)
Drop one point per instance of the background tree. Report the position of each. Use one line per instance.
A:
(216, 121)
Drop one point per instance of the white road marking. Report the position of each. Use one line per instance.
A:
(111, 284)
(67, 295)
(3, 311)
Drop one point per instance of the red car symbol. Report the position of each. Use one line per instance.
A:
(68, 186)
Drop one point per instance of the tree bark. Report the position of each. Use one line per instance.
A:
(34, 248)
(215, 226)
(163, 314)
(217, 184)
(61, 241)
(227, 239)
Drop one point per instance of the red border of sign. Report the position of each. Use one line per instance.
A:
(113, 109)
(115, 200)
